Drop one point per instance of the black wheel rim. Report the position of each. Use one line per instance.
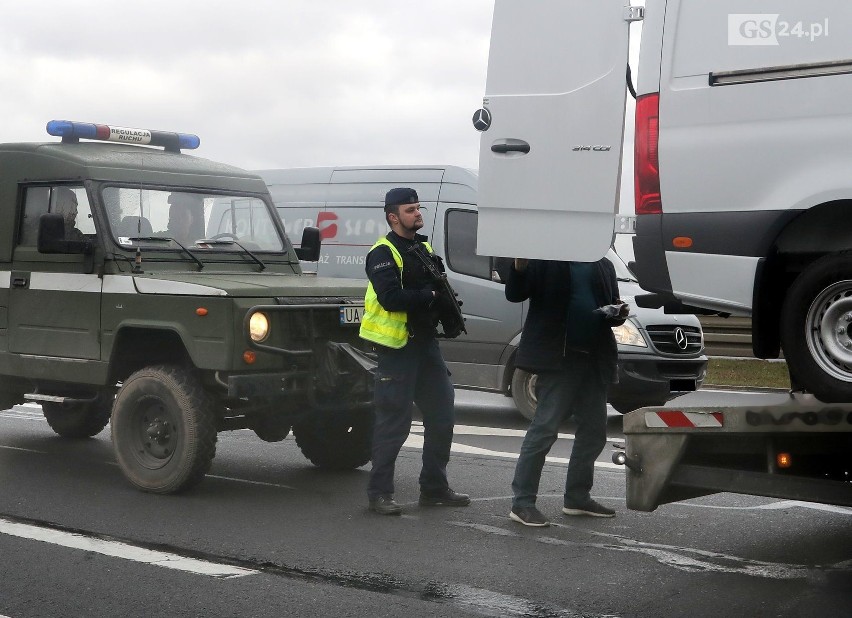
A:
(154, 432)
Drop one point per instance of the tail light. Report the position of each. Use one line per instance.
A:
(647, 163)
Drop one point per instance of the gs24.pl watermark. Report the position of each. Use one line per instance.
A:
(770, 29)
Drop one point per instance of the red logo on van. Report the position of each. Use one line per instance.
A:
(329, 230)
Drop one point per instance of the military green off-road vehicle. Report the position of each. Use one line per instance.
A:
(158, 291)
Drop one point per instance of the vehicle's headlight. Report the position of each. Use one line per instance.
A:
(258, 326)
(628, 334)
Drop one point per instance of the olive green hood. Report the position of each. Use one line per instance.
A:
(247, 285)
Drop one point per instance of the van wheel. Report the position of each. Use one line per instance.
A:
(163, 429)
(816, 328)
(336, 444)
(523, 393)
(78, 420)
(623, 407)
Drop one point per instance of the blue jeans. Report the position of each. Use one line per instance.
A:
(576, 389)
(417, 374)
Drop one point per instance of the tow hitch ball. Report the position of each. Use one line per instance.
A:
(620, 458)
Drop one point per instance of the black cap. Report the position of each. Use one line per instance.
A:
(401, 195)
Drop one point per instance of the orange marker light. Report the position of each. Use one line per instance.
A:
(249, 357)
(784, 460)
(201, 311)
(682, 242)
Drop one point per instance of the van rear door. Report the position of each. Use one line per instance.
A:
(550, 162)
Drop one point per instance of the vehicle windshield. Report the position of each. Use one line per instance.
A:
(226, 222)
(621, 270)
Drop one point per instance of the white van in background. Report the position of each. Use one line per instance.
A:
(660, 355)
(742, 158)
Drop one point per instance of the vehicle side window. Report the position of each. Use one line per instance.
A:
(71, 202)
(460, 234)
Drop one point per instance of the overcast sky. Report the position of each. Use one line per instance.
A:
(279, 83)
(263, 83)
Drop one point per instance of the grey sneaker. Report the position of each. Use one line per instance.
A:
(529, 516)
(385, 505)
(588, 507)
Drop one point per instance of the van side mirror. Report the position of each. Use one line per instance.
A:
(500, 267)
(51, 237)
(311, 243)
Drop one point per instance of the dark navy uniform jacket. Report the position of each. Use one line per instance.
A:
(413, 293)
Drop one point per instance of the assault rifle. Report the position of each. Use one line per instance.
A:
(447, 305)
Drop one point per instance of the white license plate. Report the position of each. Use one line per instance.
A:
(350, 315)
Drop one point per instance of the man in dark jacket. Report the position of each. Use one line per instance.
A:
(568, 342)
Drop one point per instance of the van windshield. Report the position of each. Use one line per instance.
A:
(190, 218)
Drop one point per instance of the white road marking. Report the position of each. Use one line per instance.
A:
(475, 430)
(415, 440)
(776, 506)
(22, 416)
(682, 558)
(125, 551)
(28, 450)
(228, 478)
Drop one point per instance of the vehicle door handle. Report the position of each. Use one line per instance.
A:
(19, 282)
(505, 146)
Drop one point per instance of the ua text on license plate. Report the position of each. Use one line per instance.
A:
(350, 315)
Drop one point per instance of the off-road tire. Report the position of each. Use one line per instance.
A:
(816, 328)
(163, 429)
(270, 429)
(336, 444)
(78, 420)
(523, 393)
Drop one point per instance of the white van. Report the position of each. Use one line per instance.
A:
(742, 158)
(660, 356)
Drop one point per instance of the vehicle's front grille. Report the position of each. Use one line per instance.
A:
(676, 339)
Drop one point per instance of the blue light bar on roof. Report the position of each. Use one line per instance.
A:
(71, 131)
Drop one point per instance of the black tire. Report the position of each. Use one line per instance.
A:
(523, 393)
(163, 429)
(623, 407)
(336, 444)
(816, 328)
(78, 420)
(271, 429)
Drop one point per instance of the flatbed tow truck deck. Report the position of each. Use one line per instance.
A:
(799, 449)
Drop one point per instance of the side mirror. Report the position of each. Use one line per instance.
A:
(500, 267)
(51, 237)
(311, 243)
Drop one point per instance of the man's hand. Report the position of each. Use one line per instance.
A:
(521, 264)
(624, 311)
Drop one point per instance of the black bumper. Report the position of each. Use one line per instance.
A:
(650, 380)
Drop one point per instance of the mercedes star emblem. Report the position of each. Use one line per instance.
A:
(482, 119)
(680, 338)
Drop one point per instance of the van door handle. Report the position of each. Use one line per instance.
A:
(505, 146)
(19, 282)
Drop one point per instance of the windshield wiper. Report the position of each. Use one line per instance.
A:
(230, 241)
(187, 251)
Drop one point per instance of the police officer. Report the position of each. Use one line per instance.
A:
(398, 320)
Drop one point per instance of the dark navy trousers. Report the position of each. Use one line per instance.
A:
(416, 373)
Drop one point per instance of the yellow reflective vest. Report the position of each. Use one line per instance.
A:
(387, 328)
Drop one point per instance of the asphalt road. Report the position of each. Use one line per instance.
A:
(267, 534)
